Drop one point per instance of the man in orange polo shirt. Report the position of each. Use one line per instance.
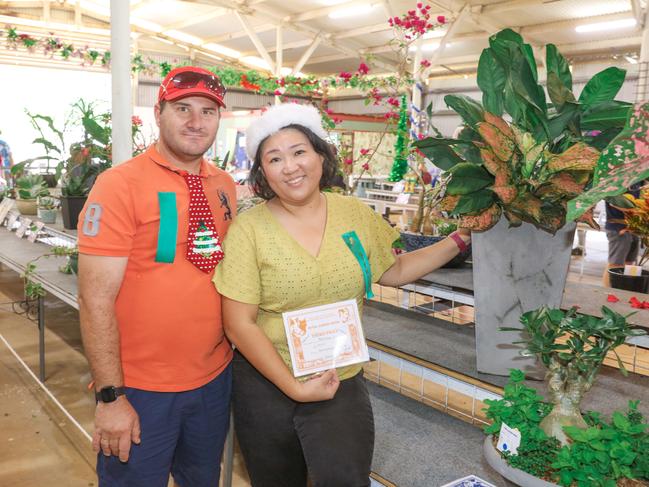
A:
(149, 239)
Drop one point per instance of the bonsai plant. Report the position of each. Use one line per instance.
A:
(604, 454)
(28, 188)
(572, 348)
(47, 208)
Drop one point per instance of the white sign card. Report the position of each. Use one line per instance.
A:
(325, 337)
(13, 218)
(632, 270)
(403, 198)
(5, 206)
(509, 439)
(25, 223)
(34, 231)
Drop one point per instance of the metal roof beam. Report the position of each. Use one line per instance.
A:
(239, 34)
(307, 54)
(256, 41)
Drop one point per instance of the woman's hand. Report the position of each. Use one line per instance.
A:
(317, 388)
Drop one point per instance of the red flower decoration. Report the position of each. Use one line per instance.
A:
(425, 63)
(348, 161)
(393, 101)
(366, 167)
(441, 19)
(363, 68)
(345, 75)
(612, 298)
(364, 152)
(135, 120)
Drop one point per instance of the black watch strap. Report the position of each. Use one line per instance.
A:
(109, 394)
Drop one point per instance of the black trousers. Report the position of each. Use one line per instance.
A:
(284, 442)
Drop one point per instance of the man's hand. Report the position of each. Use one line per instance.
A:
(317, 388)
(116, 426)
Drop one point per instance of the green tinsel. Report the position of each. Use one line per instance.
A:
(400, 165)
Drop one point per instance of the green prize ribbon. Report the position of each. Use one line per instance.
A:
(168, 230)
(354, 243)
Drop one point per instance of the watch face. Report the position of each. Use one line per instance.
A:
(107, 394)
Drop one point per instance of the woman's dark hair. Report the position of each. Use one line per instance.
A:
(258, 181)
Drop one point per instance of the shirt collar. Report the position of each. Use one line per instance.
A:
(205, 170)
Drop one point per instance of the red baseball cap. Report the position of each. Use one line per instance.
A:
(191, 81)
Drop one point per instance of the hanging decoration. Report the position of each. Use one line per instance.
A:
(400, 165)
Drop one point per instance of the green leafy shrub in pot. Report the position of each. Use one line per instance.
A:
(31, 186)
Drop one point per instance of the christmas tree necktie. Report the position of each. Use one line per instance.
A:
(203, 243)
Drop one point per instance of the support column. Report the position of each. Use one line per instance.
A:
(135, 80)
(120, 70)
(642, 93)
(279, 57)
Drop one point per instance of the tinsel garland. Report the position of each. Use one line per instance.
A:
(400, 165)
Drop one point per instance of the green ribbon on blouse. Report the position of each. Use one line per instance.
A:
(168, 229)
(354, 244)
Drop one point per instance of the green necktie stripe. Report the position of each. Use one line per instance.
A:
(168, 230)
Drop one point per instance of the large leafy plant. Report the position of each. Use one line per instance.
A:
(544, 157)
(31, 187)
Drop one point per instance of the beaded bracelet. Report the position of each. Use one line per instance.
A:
(461, 244)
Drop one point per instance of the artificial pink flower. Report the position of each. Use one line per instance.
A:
(135, 120)
(441, 19)
(364, 152)
(348, 161)
(345, 75)
(363, 68)
(425, 63)
(366, 167)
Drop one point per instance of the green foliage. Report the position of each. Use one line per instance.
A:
(31, 186)
(597, 456)
(470, 110)
(587, 338)
(606, 451)
(468, 178)
(523, 408)
(623, 163)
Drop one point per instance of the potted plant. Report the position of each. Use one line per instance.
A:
(47, 208)
(559, 443)
(29, 187)
(526, 170)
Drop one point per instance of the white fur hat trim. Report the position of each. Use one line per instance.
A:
(279, 116)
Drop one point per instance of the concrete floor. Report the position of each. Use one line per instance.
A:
(38, 445)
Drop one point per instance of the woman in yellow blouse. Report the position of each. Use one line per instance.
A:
(288, 254)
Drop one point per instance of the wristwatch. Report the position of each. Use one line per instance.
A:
(109, 394)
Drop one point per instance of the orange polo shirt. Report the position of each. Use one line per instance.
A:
(169, 314)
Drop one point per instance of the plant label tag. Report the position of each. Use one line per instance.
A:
(509, 439)
(398, 187)
(403, 198)
(632, 270)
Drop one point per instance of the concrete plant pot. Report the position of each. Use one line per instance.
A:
(515, 270)
(47, 216)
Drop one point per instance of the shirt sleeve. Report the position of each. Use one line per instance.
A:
(378, 247)
(237, 275)
(107, 222)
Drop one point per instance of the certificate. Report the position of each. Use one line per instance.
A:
(325, 337)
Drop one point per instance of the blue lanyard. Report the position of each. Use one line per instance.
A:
(354, 244)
